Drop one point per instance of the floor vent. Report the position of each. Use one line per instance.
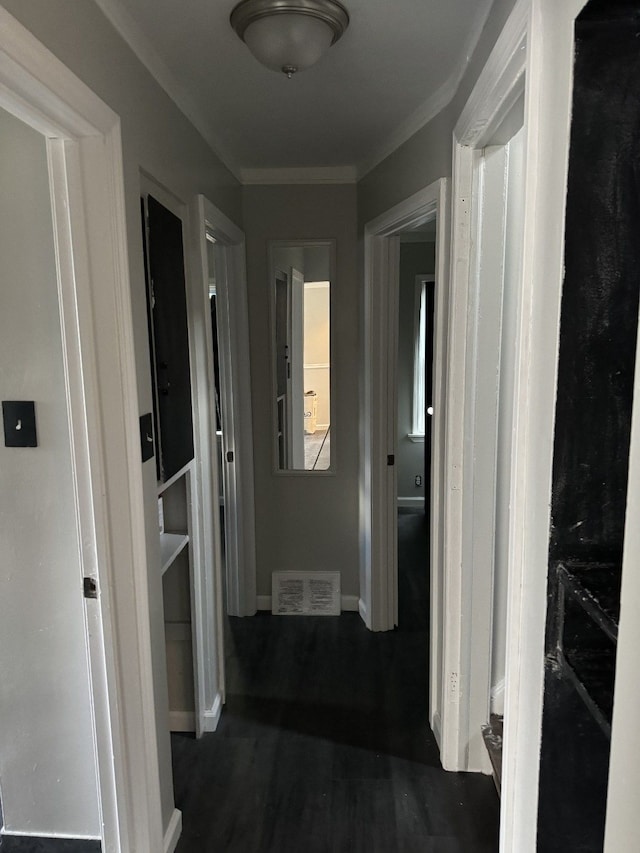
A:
(305, 593)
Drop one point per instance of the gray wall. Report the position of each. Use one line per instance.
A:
(305, 521)
(158, 139)
(47, 765)
(426, 156)
(415, 259)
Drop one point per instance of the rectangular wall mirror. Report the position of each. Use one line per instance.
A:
(301, 276)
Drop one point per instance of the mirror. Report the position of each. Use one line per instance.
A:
(301, 275)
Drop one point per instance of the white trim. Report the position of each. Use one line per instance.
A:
(124, 23)
(468, 588)
(233, 331)
(212, 717)
(174, 830)
(497, 698)
(416, 437)
(434, 105)
(362, 610)
(319, 366)
(348, 603)
(410, 502)
(497, 88)
(548, 103)
(49, 836)
(300, 175)
(87, 170)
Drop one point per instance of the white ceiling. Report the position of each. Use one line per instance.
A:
(397, 65)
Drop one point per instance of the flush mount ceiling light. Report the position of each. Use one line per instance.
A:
(289, 35)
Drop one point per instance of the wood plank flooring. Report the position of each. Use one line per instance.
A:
(324, 744)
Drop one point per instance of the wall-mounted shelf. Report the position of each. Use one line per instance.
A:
(171, 544)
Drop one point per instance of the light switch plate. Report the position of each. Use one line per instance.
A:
(19, 417)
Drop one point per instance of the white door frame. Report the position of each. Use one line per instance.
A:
(548, 104)
(378, 514)
(468, 587)
(235, 380)
(87, 189)
(208, 666)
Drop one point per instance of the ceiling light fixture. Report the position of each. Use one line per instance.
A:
(289, 35)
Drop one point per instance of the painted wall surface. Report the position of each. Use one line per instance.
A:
(415, 259)
(47, 767)
(158, 139)
(426, 156)
(296, 510)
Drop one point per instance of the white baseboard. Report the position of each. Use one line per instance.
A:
(60, 836)
(411, 502)
(497, 698)
(348, 603)
(362, 610)
(212, 716)
(173, 832)
(182, 721)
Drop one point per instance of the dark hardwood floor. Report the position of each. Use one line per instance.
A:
(324, 744)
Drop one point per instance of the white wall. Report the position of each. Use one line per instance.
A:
(158, 139)
(47, 765)
(294, 510)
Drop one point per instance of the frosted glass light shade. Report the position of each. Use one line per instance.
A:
(288, 41)
(289, 35)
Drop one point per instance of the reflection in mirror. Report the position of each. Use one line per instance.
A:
(301, 309)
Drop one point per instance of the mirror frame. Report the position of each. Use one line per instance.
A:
(273, 247)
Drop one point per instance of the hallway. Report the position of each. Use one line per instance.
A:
(323, 745)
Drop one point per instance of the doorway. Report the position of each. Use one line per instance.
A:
(416, 294)
(94, 411)
(225, 420)
(378, 476)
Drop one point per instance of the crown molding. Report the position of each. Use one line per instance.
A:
(300, 175)
(430, 108)
(133, 35)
